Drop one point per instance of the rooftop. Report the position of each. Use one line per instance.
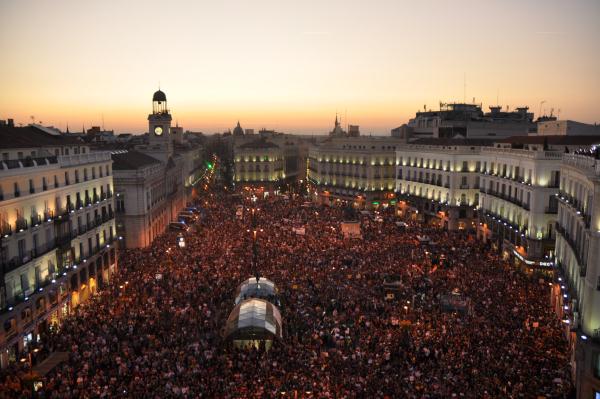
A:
(259, 143)
(29, 136)
(552, 140)
(453, 142)
(132, 160)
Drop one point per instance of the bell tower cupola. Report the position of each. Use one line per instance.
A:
(159, 103)
(159, 127)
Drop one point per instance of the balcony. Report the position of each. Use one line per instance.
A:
(21, 224)
(36, 220)
(61, 215)
(573, 245)
(577, 206)
(5, 229)
(26, 257)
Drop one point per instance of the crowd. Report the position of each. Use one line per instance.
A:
(150, 336)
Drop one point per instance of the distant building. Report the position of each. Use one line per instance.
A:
(402, 132)
(96, 135)
(567, 128)
(353, 131)
(359, 171)
(237, 130)
(177, 134)
(337, 131)
(259, 164)
(469, 121)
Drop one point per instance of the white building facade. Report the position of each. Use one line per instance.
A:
(517, 201)
(356, 170)
(438, 181)
(154, 181)
(259, 165)
(57, 230)
(577, 298)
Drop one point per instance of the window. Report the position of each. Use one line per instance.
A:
(21, 247)
(55, 181)
(24, 284)
(596, 365)
(17, 192)
(31, 187)
(85, 176)
(44, 184)
(66, 178)
(19, 155)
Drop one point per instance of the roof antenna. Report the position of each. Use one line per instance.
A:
(346, 118)
(464, 87)
(103, 122)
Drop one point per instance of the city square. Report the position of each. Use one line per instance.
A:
(314, 199)
(157, 331)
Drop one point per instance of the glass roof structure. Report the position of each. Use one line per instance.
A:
(263, 288)
(254, 319)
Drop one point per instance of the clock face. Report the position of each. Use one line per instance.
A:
(158, 130)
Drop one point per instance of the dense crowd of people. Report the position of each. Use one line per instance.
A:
(361, 317)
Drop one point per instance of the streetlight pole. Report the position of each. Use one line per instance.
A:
(255, 231)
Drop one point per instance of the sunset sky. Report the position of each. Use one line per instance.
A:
(290, 65)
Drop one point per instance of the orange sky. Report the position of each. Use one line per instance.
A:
(289, 65)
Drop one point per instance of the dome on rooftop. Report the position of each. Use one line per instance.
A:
(159, 96)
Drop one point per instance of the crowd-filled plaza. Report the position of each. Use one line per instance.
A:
(361, 317)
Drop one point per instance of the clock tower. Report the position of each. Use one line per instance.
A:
(159, 128)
